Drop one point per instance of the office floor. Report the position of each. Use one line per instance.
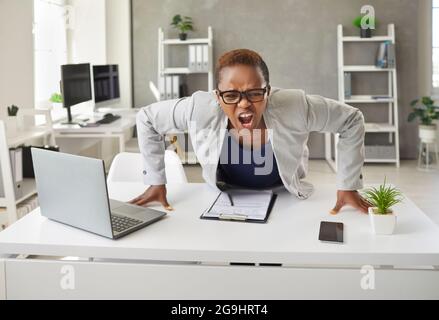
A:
(421, 187)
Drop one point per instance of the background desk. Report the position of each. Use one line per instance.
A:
(185, 257)
(117, 129)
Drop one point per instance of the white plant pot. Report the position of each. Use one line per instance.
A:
(57, 106)
(427, 134)
(382, 224)
(11, 126)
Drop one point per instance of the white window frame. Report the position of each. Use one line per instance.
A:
(43, 102)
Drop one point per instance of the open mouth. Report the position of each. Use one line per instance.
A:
(246, 119)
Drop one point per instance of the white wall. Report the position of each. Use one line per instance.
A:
(118, 27)
(16, 54)
(424, 48)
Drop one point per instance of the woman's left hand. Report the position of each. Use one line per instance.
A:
(351, 198)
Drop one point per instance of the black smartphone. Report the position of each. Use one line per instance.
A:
(331, 232)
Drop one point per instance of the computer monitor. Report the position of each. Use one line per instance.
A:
(106, 84)
(75, 86)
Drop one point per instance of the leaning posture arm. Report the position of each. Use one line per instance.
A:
(327, 115)
(153, 123)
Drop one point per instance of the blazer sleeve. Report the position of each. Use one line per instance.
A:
(153, 123)
(327, 115)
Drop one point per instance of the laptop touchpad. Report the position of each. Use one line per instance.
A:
(128, 209)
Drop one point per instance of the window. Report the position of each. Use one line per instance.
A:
(50, 49)
(436, 46)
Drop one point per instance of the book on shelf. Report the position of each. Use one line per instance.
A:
(381, 97)
(381, 61)
(391, 60)
(386, 55)
(27, 206)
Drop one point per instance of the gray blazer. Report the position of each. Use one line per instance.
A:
(290, 114)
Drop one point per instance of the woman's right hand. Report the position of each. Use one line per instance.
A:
(153, 194)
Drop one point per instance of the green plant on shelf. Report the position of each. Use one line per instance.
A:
(383, 198)
(370, 22)
(12, 111)
(183, 24)
(425, 110)
(56, 98)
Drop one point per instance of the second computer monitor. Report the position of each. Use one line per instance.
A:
(106, 84)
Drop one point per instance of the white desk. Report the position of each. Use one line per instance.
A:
(185, 257)
(116, 129)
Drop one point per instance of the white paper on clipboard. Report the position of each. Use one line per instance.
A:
(253, 205)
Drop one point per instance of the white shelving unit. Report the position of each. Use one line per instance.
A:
(164, 47)
(390, 98)
(28, 186)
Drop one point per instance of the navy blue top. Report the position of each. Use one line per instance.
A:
(245, 168)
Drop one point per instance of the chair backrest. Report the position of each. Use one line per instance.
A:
(127, 167)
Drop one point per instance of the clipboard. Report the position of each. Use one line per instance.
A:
(241, 218)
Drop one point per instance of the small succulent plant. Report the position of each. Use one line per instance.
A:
(383, 198)
(12, 111)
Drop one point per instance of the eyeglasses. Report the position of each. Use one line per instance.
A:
(235, 96)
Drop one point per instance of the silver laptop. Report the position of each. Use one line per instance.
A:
(73, 190)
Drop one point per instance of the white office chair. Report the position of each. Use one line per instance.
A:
(127, 167)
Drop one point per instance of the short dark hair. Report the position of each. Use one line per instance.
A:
(244, 57)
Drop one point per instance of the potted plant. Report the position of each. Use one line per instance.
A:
(365, 32)
(56, 100)
(381, 215)
(11, 122)
(427, 112)
(183, 24)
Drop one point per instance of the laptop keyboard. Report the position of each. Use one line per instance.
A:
(122, 223)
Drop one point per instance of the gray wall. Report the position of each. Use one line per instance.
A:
(297, 38)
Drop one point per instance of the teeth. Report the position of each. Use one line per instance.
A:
(246, 116)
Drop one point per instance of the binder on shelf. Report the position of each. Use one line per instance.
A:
(175, 87)
(16, 156)
(205, 58)
(192, 58)
(162, 88)
(168, 88)
(199, 58)
(347, 85)
(19, 164)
